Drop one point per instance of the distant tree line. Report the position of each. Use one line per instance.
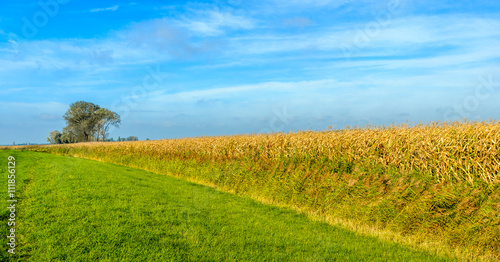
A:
(130, 138)
(86, 122)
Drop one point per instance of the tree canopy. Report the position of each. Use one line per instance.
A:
(54, 137)
(85, 122)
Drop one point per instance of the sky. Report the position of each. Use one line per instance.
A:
(175, 69)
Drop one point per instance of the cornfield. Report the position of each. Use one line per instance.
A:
(467, 151)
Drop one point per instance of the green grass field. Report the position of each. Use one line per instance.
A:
(74, 209)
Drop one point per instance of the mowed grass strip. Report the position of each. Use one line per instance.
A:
(74, 209)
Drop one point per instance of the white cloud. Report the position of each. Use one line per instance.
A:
(212, 23)
(113, 8)
(162, 39)
(399, 34)
(239, 90)
(363, 99)
(312, 3)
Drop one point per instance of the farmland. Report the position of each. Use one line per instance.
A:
(81, 210)
(432, 187)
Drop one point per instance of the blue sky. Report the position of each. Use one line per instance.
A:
(203, 68)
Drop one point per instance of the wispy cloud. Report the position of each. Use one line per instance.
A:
(112, 8)
(418, 39)
(409, 32)
(239, 90)
(212, 23)
(313, 3)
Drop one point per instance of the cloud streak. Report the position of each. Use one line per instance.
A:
(214, 23)
(112, 8)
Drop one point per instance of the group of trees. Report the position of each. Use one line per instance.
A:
(85, 122)
(130, 138)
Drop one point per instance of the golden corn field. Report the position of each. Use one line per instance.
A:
(457, 151)
(438, 181)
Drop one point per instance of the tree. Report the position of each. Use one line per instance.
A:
(81, 116)
(88, 122)
(69, 135)
(132, 138)
(107, 119)
(54, 137)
